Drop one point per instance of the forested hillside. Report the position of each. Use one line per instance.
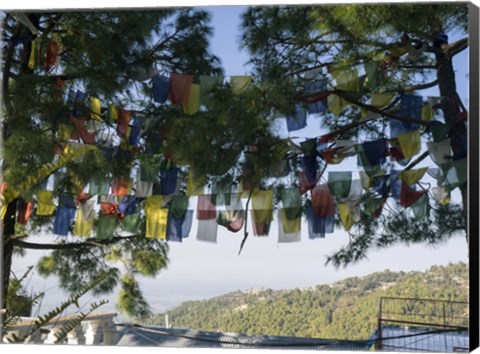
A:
(344, 310)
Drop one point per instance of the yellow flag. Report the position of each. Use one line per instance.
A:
(336, 104)
(346, 79)
(409, 143)
(156, 216)
(113, 112)
(262, 205)
(195, 185)
(413, 176)
(45, 206)
(193, 104)
(380, 100)
(33, 52)
(427, 114)
(83, 227)
(345, 216)
(240, 84)
(290, 226)
(95, 108)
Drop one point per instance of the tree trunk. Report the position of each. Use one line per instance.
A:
(8, 231)
(451, 108)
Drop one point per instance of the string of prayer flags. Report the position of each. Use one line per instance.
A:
(63, 219)
(323, 202)
(339, 183)
(193, 104)
(106, 226)
(207, 230)
(262, 205)
(157, 217)
(410, 143)
(206, 210)
(180, 85)
(313, 87)
(45, 205)
(374, 206)
(413, 176)
(123, 120)
(421, 207)
(288, 230)
(160, 88)
(240, 84)
(409, 195)
(25, 210)
(297, 120)
(179, 228)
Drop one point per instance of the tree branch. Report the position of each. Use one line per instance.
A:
(415, 88)
(457, 47)
(92, 242)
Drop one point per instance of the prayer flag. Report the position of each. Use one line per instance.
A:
(157, 217)
(180, 85)
(240, 84)
(193, 104)
(160, 88)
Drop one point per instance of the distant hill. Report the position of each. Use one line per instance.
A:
(346, 309)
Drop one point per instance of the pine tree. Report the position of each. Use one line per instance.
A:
(404, 49)
(110, 56)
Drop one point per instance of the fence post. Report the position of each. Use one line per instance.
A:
(379, 326)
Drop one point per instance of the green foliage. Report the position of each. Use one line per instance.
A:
(346, 309)
(294, 45)
(131, 300)
(104, 54)
(41, 321)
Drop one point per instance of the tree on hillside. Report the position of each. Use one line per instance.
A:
(350, 58)
(66, 76)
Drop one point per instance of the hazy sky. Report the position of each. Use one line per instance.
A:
(200, 270)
